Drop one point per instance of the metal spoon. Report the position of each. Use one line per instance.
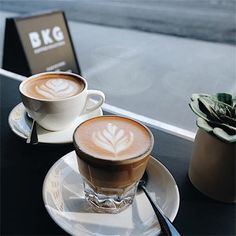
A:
(167, 227)
(33, 136)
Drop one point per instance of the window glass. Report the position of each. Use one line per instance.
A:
(149, 56)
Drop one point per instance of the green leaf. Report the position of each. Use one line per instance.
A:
(206, 105)
(195, 96)
(217, 117)
(221, 134)
(225, 97)
(195, 108)
(227, 128)
(201, 123)
(216, 131)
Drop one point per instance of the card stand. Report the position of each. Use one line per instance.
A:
(38, 43)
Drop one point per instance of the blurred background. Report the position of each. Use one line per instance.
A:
(148, 56)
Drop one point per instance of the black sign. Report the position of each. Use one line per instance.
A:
(39, 43)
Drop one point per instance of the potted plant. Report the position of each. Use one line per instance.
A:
(212, 168)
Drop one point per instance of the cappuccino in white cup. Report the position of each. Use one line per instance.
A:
(55, 99)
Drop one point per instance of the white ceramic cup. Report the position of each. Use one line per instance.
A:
(58, 114)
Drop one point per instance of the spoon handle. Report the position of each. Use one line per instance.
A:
(33, 136)
(167, 227)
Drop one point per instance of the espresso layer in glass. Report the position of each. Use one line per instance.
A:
(112, 179)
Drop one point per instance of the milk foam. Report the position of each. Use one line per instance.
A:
(113, 139)
(57, 88)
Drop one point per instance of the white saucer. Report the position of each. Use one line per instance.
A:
(64, 200)
(20, 125)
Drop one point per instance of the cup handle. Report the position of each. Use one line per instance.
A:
(93, 93)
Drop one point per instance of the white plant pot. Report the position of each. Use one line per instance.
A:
(212, 168)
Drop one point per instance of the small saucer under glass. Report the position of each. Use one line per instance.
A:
(64, 199)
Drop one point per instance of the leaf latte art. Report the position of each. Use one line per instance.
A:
(57, 88)
(113, 139)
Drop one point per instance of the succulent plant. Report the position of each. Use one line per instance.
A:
(216, 114)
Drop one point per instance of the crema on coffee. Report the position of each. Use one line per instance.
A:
(113, 138)
(53, 87)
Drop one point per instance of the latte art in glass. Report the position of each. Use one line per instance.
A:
(57, 88)
(113, 139)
